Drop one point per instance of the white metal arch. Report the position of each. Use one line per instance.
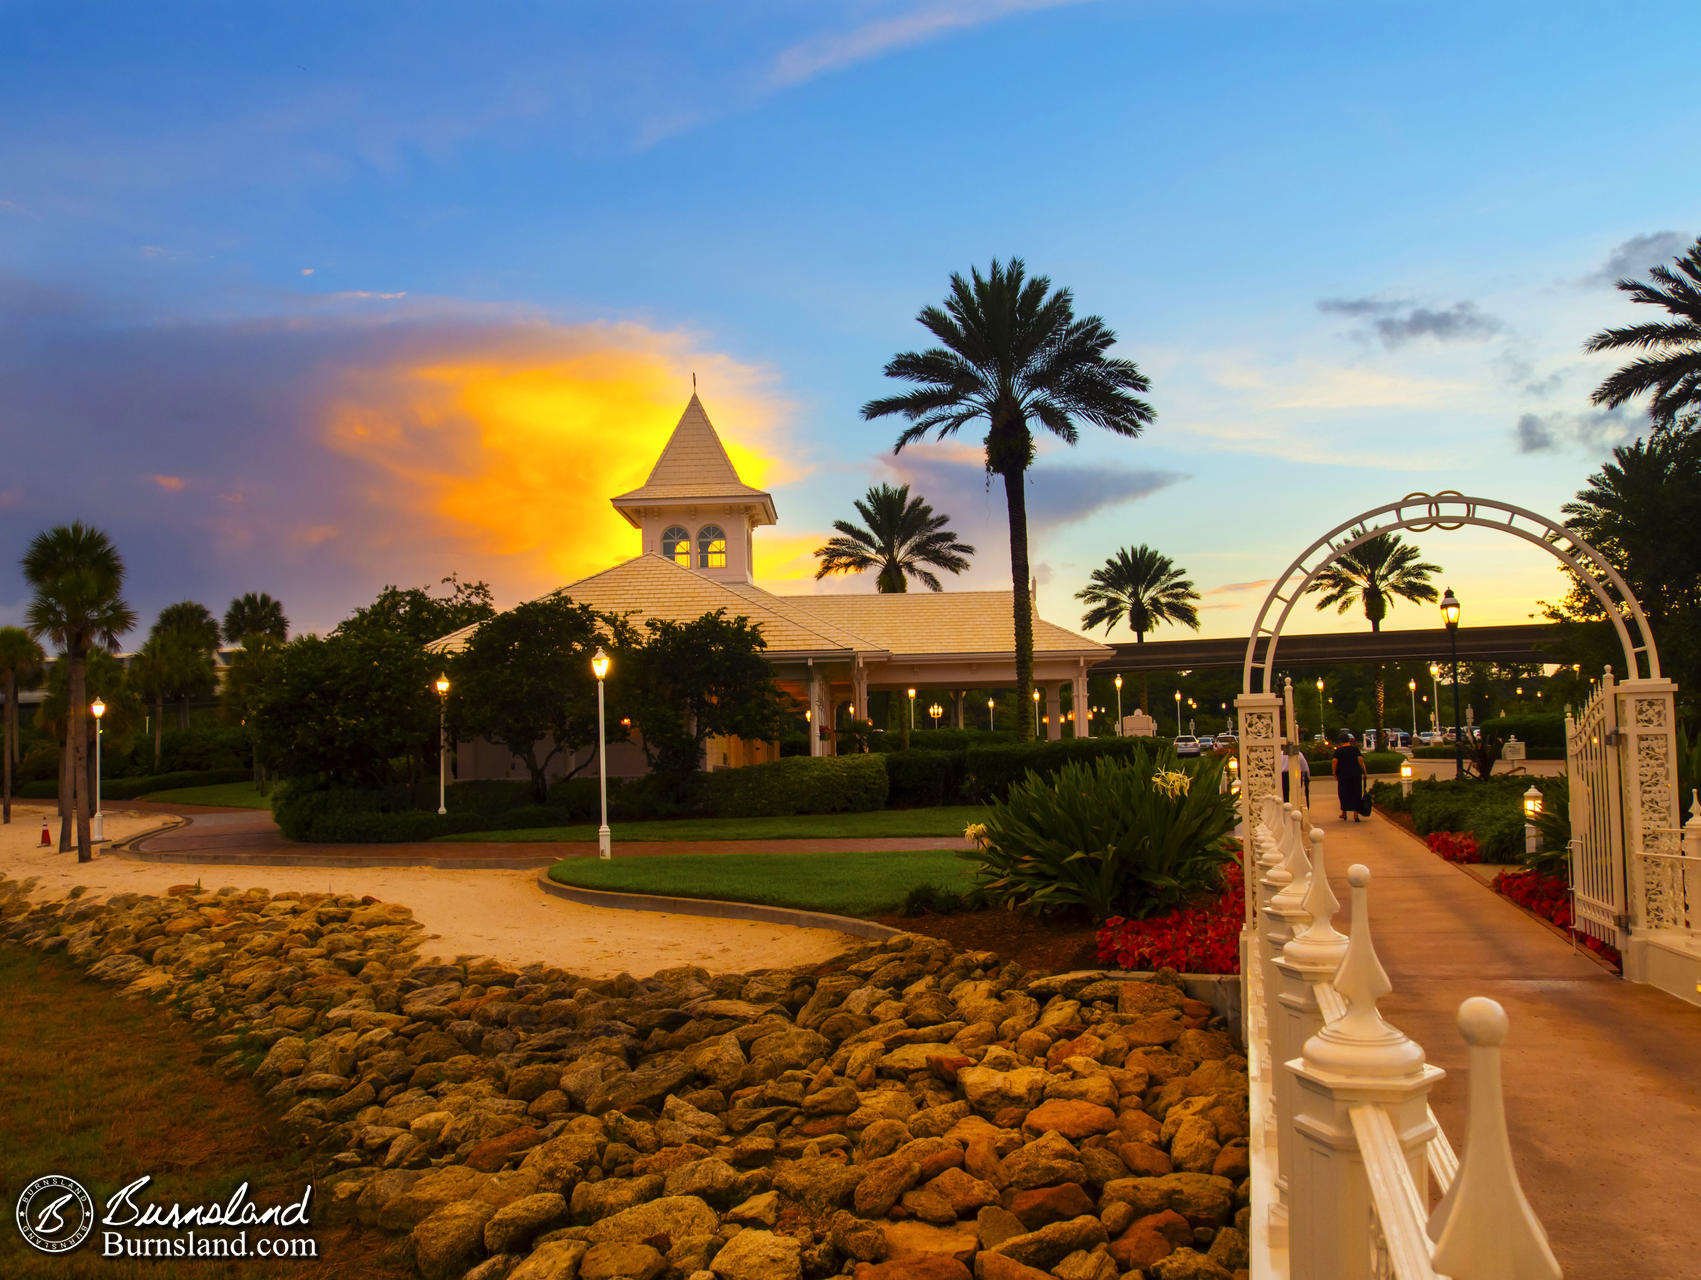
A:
(1449, 510)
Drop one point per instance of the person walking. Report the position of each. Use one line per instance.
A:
(1348, 768)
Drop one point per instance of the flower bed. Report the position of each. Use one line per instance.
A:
(1549, 897)
(1454, 846)
(1203, 937)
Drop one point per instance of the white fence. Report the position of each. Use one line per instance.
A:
(1352, 1177)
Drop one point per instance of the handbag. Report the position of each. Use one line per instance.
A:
(1364, 804)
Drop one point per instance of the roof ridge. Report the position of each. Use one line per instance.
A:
(741, 587)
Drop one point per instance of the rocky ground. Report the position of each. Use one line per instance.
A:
(906, 1111)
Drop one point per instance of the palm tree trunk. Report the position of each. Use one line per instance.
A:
(1381, 693)
(183, 711)
(6, 748)
(1145, 681)
(159, 727)
(79, 783)
(1016, 505)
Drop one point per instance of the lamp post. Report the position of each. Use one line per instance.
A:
(442, 744)
(1405, 777)
(1322, 725)
(1036, 714)
(1532, 809)
(991, 723)
(1450, 615)
(95, 824)
(1411, 685)
(912, 708)
(599, 666)
(1435, 702)
(1118, 683)
(936, 711)
(1178, 713)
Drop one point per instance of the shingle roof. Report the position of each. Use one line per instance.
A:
(939, 622)
(693, 464)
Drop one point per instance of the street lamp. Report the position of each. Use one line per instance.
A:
(1178, 713)
(442, 744)
(1532, 810)
(599, 667)
(95, 823)
(912, 708)
(1322, 724)
(936, 711)
(1036, 714)
(1435, 702)
(1450, 616)
(990, 723)
(1118, 683)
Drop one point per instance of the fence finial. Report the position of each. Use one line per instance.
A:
(1292, 895)
(1359, 1042)
(1484, 1227)
(1319, 942)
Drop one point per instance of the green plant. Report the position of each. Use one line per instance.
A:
(1115, 837)
(1383, 761)
(1553, 830)
(931, 899)
(919, 778)
(802, 784)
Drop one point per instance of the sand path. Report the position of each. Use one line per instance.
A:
(465, 912)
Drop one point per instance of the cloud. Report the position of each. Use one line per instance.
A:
(1636, 255)
(880, 36)
(1058, 493)
(171, 484)
(1226, 588)
(307, 271)
(1397, 323)
(1594, 431)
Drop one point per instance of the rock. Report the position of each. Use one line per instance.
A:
(621, 1260)
(913, 1267)
(1194, 1148)
(557, 1260)
(610, 1197)
(1234, 1161)
(963, 1192)
(1037, 1207)
(988, 1090)
(514, 1226)
(915, 1057)
(449, 1241)
(491, 1154)
(530, 1083)
(1143, 1160)
(918, 1238)
(761, 1210)
(1229, 1250)
(1046, 1247)
(675, 1216)
(1203, 1200)
(817, 1182)
(994, 1225)
(1188, 1264)
(714, 1181)
(561, 1161)
(1139, 1247)
(759, 1255)
(1043, 1162)
(1074, 1120)
(883, 1182)
(855, 1238)
(692, 1254)
(992, 1266)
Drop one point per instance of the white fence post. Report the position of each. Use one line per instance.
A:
(1354, 1060)
(1484, 1228)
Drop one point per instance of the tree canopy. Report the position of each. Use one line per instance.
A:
(254, 614)
(1668, 371)
(1141, 587)
(417, 614)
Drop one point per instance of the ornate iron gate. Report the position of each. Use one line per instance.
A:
(1597, 817)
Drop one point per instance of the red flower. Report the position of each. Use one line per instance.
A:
(1201, 938)
(1549, 897)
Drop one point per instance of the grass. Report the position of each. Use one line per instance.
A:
(945, 820)
(847, 884)
(238, 795)
(104, 1090)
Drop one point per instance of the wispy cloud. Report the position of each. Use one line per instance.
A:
(1397, 323)
(171, 484)
(1594, 431)
(880, 36)
(1228, 587)
(1634, 256)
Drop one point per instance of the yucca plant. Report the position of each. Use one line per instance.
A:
(1115, 838)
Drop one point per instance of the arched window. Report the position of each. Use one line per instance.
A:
(676, 545)
(711, 547)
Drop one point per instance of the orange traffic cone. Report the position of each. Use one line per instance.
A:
(46, 838)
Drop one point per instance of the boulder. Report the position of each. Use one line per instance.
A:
(1073, 1119)
(621, 1260)
(514, 1226)
(1041, 1205)
(675, 1216)
(759, 1255)
(449, 1241)
(556, 1260)
(921, 1239)
(1050, 1244)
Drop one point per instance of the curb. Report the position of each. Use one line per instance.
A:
(213, 858)
(128, 844)
(715, 908)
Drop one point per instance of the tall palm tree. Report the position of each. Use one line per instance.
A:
(21, 660)
(903, 537)
(1143, 588)
(78, 579)
(191, 636)
(1672, 368)
(1012, 353)
(254, 614)
(1373, 575)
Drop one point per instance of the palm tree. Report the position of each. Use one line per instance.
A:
(78, 578)
(1672, 368)
(903, 536)
(254, 614)
(1012, 353)
(1143, 588)
(1373, 575)
(191, 636)
(21, 660)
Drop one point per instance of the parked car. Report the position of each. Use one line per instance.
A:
(1187, 745)
(1229, 739)
(1206, 743)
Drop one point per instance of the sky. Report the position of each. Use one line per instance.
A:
(309, 298)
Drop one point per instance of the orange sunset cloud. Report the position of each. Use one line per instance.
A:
(506, 452)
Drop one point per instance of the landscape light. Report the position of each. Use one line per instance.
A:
(442, 685)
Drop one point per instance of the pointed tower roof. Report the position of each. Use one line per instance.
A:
(693, 470)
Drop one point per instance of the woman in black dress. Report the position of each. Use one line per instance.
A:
(1348, 768)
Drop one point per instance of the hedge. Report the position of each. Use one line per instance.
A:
(926, 738)
(1383, 761)
(1537, 729)
(918, 778)
(990, 772)
(132, 788)
(1490, 809)
(344, 814)
(797, 784)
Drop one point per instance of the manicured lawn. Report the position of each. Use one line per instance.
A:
(848, 884)
(946, 820)
(242, 795)
(104, 1090)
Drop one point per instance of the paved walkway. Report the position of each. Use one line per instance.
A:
(1603, 1077)
(247, 837)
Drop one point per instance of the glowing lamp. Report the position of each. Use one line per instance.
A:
(1118, 682)
(1532, 803)
(1450, 609)
(98, 707)
(442, 685)
(989, 704)
(599, 663)
(1405, 769)
(1036, 695)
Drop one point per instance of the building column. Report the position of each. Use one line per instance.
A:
(1054, 709)
(1083, 725)
(819, 714)
(859, 691)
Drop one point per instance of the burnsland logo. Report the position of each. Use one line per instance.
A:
(55, 1215)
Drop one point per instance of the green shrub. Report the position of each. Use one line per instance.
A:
(579, 798)
(132, 788)
(1389, 797)
(1383, 761)
(1500, 834)
(931, 899)
(990, 772)
(1108, 837)
(39, 764)
(800, 784)
(918, 778)
(526, 816)
(183, 749)
(1553, 830)
(485, 797)
(1537, 729)
(344, 815)
(929, 739)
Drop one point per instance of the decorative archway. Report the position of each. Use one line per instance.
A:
(1448, 510)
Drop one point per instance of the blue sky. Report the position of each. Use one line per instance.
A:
(308, 298)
